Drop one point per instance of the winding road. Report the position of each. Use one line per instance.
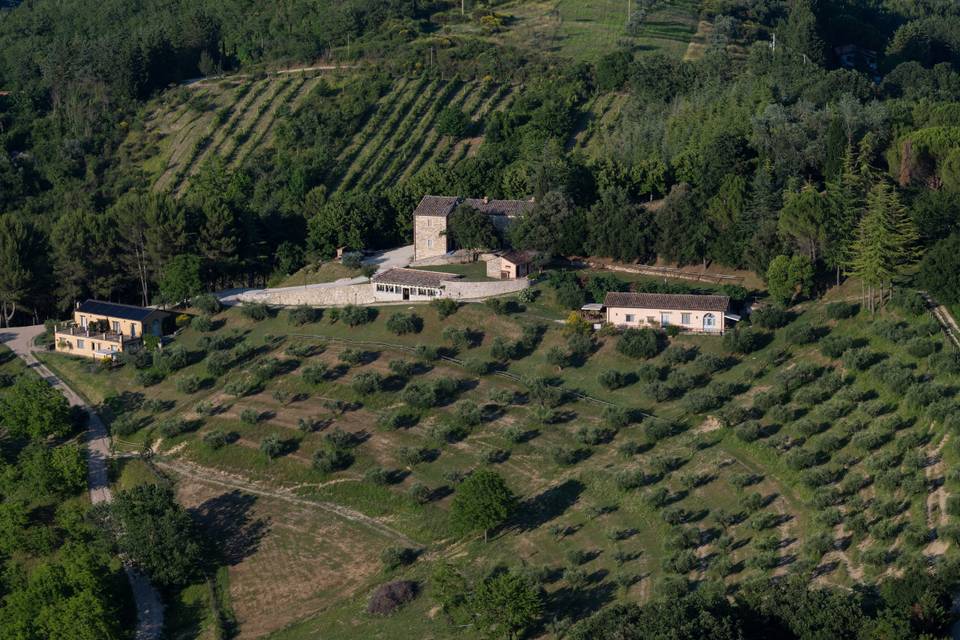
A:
(149, 606)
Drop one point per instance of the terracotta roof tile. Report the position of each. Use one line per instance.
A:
(413, 277)
(443, 206)
(436, 206)
(667, 301)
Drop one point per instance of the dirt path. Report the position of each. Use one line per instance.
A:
(947, 322)
(149, 605)
(220, 479)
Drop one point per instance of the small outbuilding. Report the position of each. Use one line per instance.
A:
(410, 284)
(510, 265)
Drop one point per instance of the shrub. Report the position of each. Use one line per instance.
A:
(256, 311)
(744, 339)
(445, 307)
(402, 368)
(391, 596)
(478, 366)
(921, 347)
(303, 314)
(616, 417)
(354, 316)
(149, 377)
(207, 303)
(332, 459)
(402, 323)
(367, 382)
(841, 310)
(801, 334)
(426, 352)
(189, 384)
(946, 362)
(704, 400)
(771, 317)
(641, 343)
(315, 373)
(468, 414)
(215, 439)
(393, 558)
(835, 346)
(202, 324)
(124, 425)
(678, 354)
(611, 379)
(398, 419)
(567, 456)
(420, 395)
(172, 427)
(352, 357)
(501, 306)
(910, 302)
(594, 436)
(412, 456)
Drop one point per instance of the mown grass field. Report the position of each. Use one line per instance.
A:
(620, 508)
(587, 30)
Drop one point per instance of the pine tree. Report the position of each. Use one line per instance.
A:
(886, 243)
(846, 194)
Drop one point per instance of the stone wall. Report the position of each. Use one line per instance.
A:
(459, 290)
(313, 296)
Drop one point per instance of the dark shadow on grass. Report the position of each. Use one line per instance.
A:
(551, 503)
(231, 525)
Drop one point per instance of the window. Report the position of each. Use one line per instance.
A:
(116, 326)
(651, 320)
(664, 319)
(684, 318)
(430, 243)
(83, 321)
(79, 344)
(133, 330)
(630, 317)
(709, 321)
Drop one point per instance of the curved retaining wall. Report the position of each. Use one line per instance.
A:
(460, 290)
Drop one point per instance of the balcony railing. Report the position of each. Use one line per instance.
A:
(77, 331)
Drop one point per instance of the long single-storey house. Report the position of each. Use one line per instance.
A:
(104, 329)
(693, 313)
(410, 284)
(430, 237)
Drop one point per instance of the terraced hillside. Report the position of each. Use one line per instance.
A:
(228, 118)
(599, 116)
(401, 136)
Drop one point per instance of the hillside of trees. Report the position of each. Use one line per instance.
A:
(781, 151)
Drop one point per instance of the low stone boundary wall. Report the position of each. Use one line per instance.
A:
(459, 290)
(364, 294)
(314, 297)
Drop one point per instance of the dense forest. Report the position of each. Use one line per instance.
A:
(749, 153)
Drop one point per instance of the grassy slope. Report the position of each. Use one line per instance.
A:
(577, 491)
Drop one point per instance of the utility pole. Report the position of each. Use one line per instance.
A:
(463, 7)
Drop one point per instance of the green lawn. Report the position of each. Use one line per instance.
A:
(326, 272)
(474, 271)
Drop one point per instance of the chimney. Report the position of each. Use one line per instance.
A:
(78, 304)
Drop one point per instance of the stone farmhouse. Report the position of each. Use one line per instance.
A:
(691, 313)
(105, 329)
(430, 238)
